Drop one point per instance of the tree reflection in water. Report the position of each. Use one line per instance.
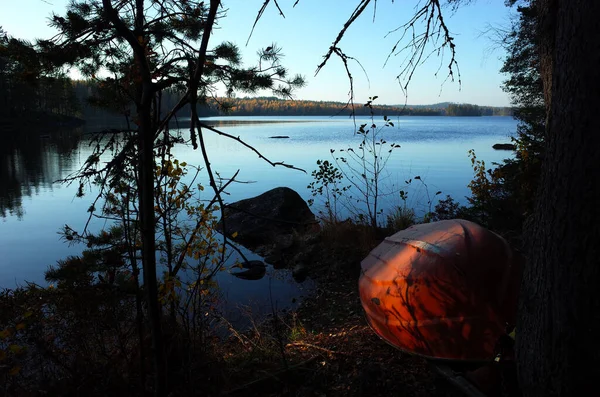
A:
(31, 161)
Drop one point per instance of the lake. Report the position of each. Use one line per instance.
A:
(33, 207)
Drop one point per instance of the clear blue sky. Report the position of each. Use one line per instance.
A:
(308, 30)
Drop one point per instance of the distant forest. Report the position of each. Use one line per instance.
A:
(266, 106)
(34, 94)
(86, 92)
(63, 101)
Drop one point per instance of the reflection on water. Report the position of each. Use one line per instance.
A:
(33, 208)
(249, 300)
(30, 162)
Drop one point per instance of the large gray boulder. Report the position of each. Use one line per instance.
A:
(269, 221)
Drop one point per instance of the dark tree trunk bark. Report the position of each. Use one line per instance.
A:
(147, 223)
(558, 332)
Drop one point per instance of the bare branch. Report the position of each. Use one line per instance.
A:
(260, 14)
(237, 139)
(355, 14)
(436, 33)
(200, 222)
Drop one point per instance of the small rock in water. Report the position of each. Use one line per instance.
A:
(504, 146)
(255, 270)
(300, 272)
(273, 258)
(252, 264)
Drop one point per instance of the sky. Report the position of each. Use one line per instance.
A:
(310, 27)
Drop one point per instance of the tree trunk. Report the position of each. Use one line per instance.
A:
(147, 223)
(558, 332)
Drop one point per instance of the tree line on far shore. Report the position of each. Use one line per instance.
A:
(31, 91)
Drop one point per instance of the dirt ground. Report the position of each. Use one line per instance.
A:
(326, 348)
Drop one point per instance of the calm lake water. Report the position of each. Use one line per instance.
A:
(33, 206)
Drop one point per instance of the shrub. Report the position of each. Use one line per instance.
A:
(401, 219)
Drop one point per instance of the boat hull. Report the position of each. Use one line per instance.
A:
(444, 290)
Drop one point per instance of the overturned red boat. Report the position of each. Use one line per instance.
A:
(444, 290)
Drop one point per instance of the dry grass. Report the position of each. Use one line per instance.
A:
(329, 350)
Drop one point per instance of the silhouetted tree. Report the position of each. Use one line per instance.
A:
(558, 348)
(524, 84)
(29, 90)
(136, 50)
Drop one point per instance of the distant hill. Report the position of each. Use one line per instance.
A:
(272, 106)
(84, 92)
